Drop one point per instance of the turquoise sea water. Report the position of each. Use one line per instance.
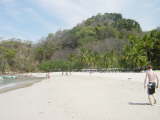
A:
(12, 82)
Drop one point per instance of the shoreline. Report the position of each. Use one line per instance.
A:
(81, 96)
(14, 86)
(24, 84)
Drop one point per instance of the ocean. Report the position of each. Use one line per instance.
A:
(8, 83)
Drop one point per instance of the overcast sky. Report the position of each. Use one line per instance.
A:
(33, 19)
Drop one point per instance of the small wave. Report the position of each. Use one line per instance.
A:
(8, 85)
(14, 84)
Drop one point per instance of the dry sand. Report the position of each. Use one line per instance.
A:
(81, 96)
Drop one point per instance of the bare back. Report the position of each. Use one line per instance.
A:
(151, 76)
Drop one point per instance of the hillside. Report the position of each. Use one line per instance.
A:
(102, 41)
(100, 33)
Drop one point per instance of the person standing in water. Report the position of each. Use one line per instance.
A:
(151, 82)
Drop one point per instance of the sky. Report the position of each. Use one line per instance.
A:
(34, 19)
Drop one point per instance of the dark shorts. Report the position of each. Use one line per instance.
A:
(151, 88)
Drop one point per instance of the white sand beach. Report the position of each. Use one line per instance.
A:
(81, 96)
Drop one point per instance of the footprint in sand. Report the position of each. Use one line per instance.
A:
(49, 101)
(41, 112)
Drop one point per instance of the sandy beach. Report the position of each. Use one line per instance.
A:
(81, 96)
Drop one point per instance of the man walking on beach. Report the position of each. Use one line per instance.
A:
(151, 84)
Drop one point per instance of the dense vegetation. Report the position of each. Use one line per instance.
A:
(102, 41)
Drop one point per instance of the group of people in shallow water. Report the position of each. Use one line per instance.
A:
(151, 82)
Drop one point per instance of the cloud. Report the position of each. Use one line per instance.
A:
(74, 11)
(146, 12)
(65, 10)
(3, 2)
(9, 31)
(31, 19)
(6, 1)
(22, 21)
(39, 19)
(23, 15)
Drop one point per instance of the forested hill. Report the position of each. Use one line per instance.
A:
(100, 33)
(102, 41)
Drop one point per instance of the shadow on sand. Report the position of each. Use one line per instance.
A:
(136, 103)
